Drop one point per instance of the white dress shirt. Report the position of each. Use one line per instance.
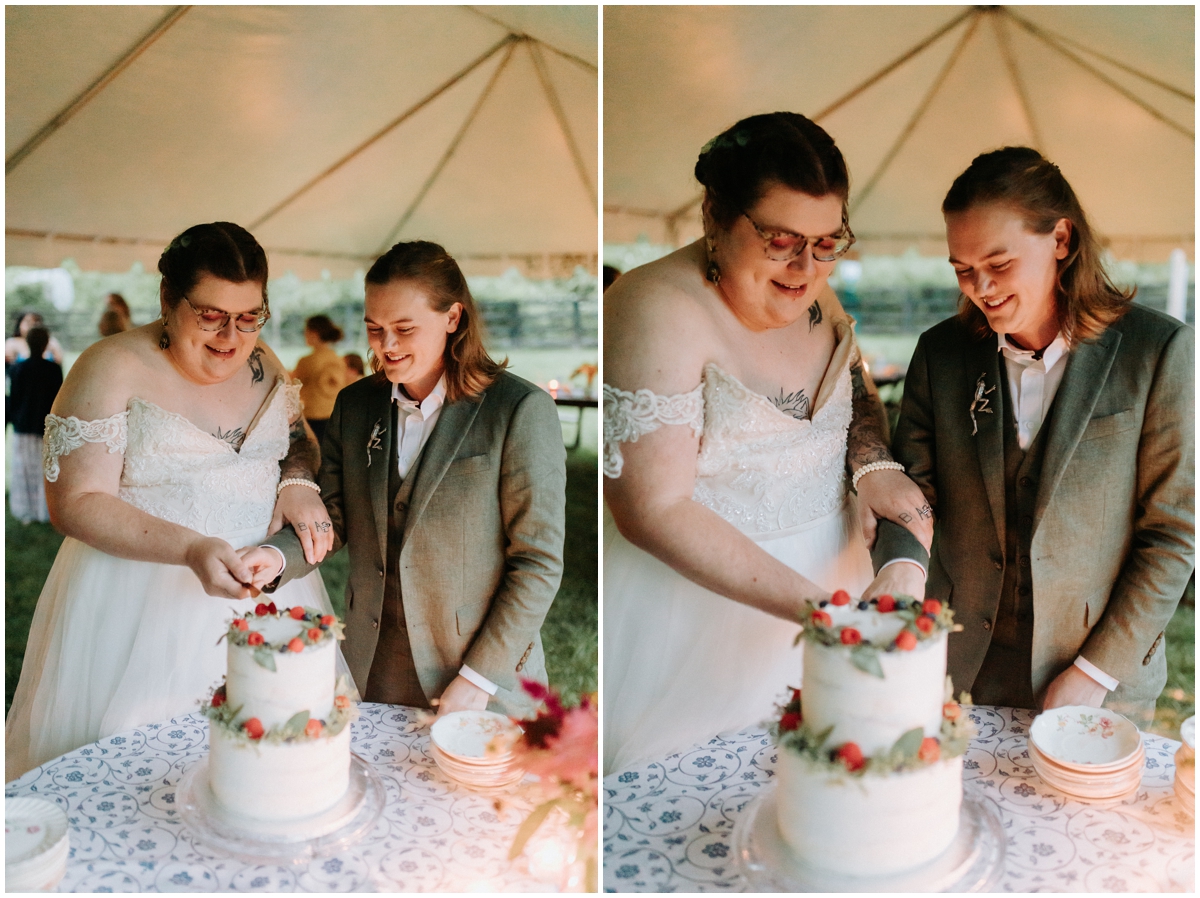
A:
(1033, 381)
(415, 422)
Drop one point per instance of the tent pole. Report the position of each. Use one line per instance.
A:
(563, 53)
(1092, 70)
(94, 88)
(404, 116)
(539, 65)
(893, 65)
(912, 123)
(1010, 63)
(446, 156)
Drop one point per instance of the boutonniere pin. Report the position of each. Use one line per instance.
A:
(980, 403)
(373, 441)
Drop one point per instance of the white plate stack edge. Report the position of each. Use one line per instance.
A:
(1185, 767)
(36, 845)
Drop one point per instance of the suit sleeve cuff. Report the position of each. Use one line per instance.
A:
(282, 557)
(1096, 674)
(478, 679)
(903, 561)
(894, 542)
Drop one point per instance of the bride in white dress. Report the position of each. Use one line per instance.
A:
(162, 459)
(733, 385)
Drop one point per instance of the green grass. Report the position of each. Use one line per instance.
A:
(569, 634)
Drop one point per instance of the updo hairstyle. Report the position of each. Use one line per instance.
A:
(469, 368)
(1034, 188)
(221, 249)
(738, 166)
(324, 328)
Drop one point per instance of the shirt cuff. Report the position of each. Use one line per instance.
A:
(1097, 674)
(478, 679)
(282, 557)
(905, 561)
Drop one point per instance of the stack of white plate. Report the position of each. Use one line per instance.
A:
(35, 844)
(1087, 752)
(459, 743)
(1185, 767)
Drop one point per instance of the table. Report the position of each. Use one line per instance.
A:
(668, 824)
(125, 834)
(581, 403)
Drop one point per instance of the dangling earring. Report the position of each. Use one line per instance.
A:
(713, 272)
(164, 342)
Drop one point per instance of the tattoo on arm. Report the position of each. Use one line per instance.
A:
(867, 440)
(257, 374)
(234, 438)
(795, 404)
(304, 454)
(814, 316)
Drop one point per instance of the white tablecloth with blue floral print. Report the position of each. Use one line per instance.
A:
(126, 835)
(668, 825)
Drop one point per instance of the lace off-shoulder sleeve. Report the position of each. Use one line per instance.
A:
(628, 416)
(291, 394)
(65, 435)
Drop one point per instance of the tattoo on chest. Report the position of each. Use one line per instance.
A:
(795, 404)
(234, 438)
(257, 374)
(814, 316)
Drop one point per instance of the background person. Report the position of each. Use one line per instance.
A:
(35, 384)
(321, 373)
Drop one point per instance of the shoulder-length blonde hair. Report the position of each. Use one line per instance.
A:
(1022, 179)
(469, 368)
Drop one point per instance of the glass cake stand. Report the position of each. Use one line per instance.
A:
(320, 835)
(974, 862)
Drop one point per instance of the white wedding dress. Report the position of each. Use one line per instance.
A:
(117, 644)
(681, 663)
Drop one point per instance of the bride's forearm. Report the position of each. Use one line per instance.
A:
(115, 527)
(702, 546)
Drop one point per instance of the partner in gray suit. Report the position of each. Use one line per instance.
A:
(1050, 425)
(445, 475)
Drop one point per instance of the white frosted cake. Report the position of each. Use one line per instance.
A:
(279, 735)
(870, 751)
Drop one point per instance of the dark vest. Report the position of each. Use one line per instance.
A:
(393, 677)
(1006, 677)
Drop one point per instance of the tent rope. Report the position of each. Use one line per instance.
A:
(894, 64)
(1010, 63)
(539, 64)
(917, 115)
(507, 41)
(1092, 70)
(93, 89)
(512, 42)
(1113, 62)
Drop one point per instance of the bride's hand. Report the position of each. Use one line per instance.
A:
(901, 579)
(220, 569)
(303, 509)
(264, 564)
(890, 494)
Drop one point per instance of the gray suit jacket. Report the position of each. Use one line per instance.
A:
(481, 558)
(1114, 521)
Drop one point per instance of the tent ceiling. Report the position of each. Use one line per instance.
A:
(330, 132)
(1121, 128)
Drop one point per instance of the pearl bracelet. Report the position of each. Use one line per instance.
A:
(300, 481)
(874, 466)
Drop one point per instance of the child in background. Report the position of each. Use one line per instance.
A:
(35, 383)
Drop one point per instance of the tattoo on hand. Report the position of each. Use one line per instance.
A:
(814, 316)
(925, 512)
(257, 373)
(905, 517)
(797, 405)
(234, 438)
(302, 526)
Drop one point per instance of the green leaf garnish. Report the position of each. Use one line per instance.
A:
(264, 657)
(866, 659)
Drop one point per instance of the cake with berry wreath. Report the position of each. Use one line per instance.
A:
(870, 749)
(279, 726)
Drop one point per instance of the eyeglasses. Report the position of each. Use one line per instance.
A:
(783, 246)
(216, 320)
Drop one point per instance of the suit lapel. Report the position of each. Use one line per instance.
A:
(1087, 372)
(448, 433)
(983, 358)
(379, 416)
